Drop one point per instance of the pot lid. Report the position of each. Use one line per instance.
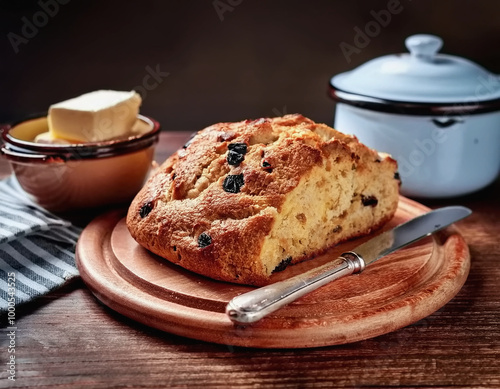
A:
(422, 76)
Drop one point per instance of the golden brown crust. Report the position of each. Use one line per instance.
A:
(187, 211)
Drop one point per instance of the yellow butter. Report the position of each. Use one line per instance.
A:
(96, 116)
(47, 138)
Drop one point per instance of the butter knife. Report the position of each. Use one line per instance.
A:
(253, 306)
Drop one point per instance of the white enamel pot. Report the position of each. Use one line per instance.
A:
(437, 115)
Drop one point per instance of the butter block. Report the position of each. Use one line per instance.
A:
(96, 116)
(47, 138)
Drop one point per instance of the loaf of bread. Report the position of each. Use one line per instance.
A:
(243, 200)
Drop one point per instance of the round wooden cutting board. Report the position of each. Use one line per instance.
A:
(398, 290)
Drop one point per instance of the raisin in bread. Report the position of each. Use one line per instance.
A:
(243, 200)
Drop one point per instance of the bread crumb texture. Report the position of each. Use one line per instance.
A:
(243, 200)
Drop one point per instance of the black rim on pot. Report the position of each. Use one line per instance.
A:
(413, 108)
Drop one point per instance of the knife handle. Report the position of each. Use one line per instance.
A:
(253, 306)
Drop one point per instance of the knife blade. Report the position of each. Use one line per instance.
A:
(253, 306)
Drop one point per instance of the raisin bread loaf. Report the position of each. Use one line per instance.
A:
(243, 200)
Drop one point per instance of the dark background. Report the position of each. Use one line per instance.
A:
(257, 58)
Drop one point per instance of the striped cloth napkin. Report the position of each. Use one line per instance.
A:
(35, 245)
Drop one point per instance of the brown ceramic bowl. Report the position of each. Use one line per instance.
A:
(79, 176)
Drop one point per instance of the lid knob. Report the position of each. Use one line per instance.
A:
(424, 46)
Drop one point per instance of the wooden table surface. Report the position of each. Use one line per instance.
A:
(68, 339)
